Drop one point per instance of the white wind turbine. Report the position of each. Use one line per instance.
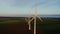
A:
(34, 18)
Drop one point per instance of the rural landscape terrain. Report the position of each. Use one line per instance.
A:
(29, 16)
(18, 25)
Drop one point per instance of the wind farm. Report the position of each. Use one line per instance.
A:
(30, 17)
(33, 18)
(30, 24)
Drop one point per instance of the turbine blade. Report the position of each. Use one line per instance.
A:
(29, 23)
(41, 19)
(31, 19)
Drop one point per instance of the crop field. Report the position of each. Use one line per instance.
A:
(18, 25)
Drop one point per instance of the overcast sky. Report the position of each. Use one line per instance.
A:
(13, 7)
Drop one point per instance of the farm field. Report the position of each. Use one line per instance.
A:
(18, 25)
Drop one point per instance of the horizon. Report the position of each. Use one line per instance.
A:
(46, 16)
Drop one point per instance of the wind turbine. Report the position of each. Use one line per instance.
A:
(34, 18)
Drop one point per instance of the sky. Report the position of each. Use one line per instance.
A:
(19, 7)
